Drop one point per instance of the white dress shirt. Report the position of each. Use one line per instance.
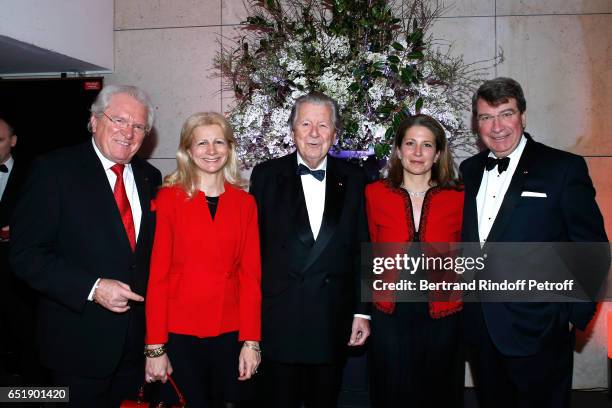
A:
(130, 189)
(128, 181)
(314, 194)
(492, 191)
(5, 176)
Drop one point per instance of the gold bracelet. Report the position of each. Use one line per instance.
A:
(252, 347)
(156, 352)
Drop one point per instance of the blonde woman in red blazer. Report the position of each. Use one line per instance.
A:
(414, 348)
(203, 299)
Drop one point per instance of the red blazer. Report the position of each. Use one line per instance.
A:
(205, 274)
(390, 220)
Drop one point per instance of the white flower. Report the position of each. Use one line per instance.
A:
(332, 46)
(379, 132)
(336, 84)
(295, 66)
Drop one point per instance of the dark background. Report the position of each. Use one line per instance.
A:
(47, 113)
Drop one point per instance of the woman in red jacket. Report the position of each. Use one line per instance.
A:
(414, 347)
(203, 298)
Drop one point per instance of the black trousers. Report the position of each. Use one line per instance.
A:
(206, 370)
(123, 383)
(18, 350)
(415, 361)
(284, 385)
(106, 392)
(538, 381)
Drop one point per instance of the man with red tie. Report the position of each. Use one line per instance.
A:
(81, 236)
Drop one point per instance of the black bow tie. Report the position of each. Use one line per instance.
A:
(502, 164)
(303, 170)
(3, 168)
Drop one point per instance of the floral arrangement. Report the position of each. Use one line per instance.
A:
(373, 57)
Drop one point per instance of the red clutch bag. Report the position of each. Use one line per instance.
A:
(141, 403)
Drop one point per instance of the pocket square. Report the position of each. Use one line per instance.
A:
(533, 194)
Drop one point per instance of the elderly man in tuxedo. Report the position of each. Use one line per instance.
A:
(312, 223)
(81, 236)
(519, 190)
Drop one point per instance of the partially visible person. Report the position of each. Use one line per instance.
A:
(519, 190)
(414, 353)
(81, 236)
(16, 317)
(204, 298)
(312, 223)
(9, 177)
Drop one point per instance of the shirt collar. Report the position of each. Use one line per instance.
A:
(107, 164)
(9, 163)
(321, 166)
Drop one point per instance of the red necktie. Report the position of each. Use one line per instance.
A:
(124, 204)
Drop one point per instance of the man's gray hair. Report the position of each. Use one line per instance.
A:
(103, 100)
(317, 98)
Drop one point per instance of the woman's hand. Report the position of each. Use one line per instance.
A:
(158, 368)
(249, 360)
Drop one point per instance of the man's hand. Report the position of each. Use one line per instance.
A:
(114, 295)
(359, 332)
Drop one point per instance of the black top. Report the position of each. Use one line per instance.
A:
(212, 205)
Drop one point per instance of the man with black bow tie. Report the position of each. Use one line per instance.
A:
(312, 223)
(519, 190)
(13, 319)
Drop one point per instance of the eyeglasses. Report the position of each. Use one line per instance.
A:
(503, 117)
(123, 124)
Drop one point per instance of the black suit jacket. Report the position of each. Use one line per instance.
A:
(66, 233)
(309, 288)
(568, 213)
(9, 197)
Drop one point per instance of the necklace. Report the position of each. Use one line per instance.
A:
(414, 193)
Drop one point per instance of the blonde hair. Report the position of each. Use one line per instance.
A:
(185, 175)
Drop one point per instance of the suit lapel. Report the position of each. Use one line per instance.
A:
(292, 193)
(513, 195)
(335, 185)
(472, 183)
(143, 186)
(11, 182)
(102, 195)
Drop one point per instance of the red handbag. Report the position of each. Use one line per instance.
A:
(141, 403)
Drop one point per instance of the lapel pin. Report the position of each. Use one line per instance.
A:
(525, 171)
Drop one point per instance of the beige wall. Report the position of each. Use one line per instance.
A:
(559, 50)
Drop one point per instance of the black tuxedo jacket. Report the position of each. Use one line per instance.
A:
(9, 197)
(309, 288)
(66, 233)
(568, 213)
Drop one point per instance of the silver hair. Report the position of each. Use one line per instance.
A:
(317, 98)
(103, 100)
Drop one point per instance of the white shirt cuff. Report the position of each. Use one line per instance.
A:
(93, 289)
(368, 317)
